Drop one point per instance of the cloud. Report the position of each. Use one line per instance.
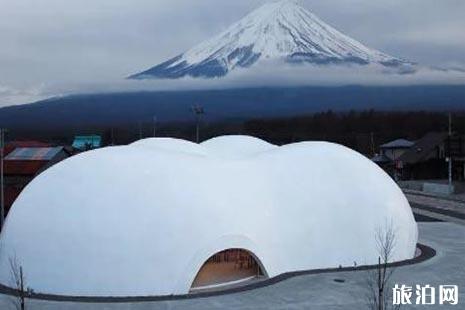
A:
(264, 74)
(333, 75)
(11, 96)
(55, 47)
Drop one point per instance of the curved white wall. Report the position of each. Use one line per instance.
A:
(142, 219)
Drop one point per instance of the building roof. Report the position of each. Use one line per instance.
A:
(87, 142)
(398, 144)
(381, 159)
(190, 201)
(34, 153)
(28, 161)
(10, 146)
(423, 147)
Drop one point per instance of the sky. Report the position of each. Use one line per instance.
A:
(56, 47)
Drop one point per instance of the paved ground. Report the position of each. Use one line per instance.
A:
(415, 187)
(436, 202)
(445, 209)
(319, 291)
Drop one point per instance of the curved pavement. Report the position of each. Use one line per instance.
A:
(315, 291)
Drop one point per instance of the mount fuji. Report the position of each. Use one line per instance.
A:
(283, 31)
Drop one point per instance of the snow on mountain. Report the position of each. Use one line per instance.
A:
(282, 30)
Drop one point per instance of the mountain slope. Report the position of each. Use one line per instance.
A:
(82, 113)
(281, 30)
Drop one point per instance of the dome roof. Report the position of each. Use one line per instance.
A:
(142, 219)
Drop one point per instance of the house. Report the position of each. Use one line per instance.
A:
(381, 159)
(23, 163)
(12, 145)
(85, 143)
(394, 149)
(426, 159)
(390, 153)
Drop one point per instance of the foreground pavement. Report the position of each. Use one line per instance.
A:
(318, 291)
(440, 204)
(441, 208)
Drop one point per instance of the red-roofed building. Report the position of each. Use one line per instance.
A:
(10, 146)
(23, 161)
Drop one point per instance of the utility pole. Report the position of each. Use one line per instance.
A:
(2, 185)
(21, 285)
(380, 286)
(450, 154)
(198, 111)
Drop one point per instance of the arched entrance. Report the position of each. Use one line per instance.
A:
(227, 268)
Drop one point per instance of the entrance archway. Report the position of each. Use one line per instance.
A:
(227, 268)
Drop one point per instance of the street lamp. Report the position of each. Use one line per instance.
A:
(449, 158)
(198, 111)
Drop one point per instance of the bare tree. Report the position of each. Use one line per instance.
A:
(19, 283)
(378, 296)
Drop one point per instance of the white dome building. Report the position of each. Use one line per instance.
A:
(143, 219)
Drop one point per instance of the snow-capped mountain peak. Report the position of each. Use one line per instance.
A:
(277, 30)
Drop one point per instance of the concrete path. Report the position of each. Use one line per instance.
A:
(437, 207)
(441, 203)
(422, 212)
(318, 291)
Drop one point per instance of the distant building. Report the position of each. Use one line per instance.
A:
(390, 153)
(22, 164)
(381, 159)
(85, 143)
(12, 145)
(426, 159)
(394, 149)
(423, 159)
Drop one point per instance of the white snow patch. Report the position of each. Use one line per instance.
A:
(277, 30)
